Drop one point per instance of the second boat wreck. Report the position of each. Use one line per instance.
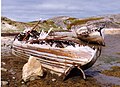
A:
(59, 51)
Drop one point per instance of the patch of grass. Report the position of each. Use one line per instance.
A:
(115, 71)
(69, 20)
(47, 24)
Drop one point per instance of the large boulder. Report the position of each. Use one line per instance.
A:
(32, 69)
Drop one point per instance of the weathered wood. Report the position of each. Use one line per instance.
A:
(30, 31)
(84, 77)
(51, 58)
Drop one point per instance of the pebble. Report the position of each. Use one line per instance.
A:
(4, 82)
(3, 63)
(13, 78)
(53, 80)
(3, 69)
(22, 82)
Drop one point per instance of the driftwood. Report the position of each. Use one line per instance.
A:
(30, 31)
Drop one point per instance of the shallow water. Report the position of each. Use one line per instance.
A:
(110, 57)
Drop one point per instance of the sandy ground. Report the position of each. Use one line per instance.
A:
(12, 68)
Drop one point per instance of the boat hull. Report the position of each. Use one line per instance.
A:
(58, 61)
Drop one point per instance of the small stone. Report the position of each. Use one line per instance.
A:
(53, 80)
(4, 82)
(22, 82)
(13, 78)
(3, 63)
(3, 69)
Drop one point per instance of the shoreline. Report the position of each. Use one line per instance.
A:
(96, 78)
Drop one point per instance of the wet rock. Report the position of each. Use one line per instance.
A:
(3, 69)
(4, 82)
(32, 69)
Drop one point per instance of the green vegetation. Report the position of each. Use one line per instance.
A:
(69, 20)
(47, 24)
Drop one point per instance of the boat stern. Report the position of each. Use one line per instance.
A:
(94, 36)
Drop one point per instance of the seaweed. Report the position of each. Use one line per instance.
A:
(114, 71)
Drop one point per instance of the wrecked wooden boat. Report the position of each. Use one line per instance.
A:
(57, 53)
(92, 35)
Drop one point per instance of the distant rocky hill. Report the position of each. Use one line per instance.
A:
(8, 25)
(60, 23)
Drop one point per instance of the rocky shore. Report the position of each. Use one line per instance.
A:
(104, 73)
(101, 74)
